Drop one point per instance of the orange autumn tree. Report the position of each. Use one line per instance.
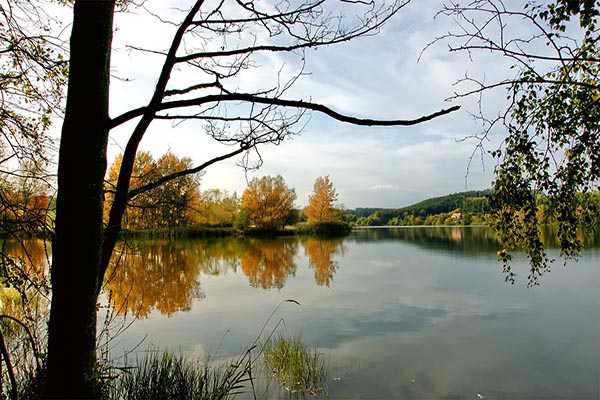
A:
(269, 201)
(320, 203)
(153, 206)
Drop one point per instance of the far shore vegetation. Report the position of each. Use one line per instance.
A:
(267, 208)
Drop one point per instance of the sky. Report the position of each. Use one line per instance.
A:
(386, 76)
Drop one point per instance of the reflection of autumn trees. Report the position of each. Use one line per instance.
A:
(29, 257)
(320, 252)
(159, 275)
(218, 256)
(24, 297)
(24, 286)
(268, 263)
(164, 275)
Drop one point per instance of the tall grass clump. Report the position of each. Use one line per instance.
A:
(300, 371)
(163, 375)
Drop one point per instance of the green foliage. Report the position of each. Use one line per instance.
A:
(293, 217)
(552, 117)
(32, 78)
(448, 203)
(332, 228)
(216, 208)
(553, 146)
(243, 220)
(363, 212)
(473, 206)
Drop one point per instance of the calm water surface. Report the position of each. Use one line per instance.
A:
(399, 313)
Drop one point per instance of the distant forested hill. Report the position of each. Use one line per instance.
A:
(464, 207)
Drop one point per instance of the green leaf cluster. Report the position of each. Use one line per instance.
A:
(553, 145)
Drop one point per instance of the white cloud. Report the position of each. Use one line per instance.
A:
(387, 186)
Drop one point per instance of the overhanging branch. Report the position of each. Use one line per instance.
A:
(252, 99)
(175, 175)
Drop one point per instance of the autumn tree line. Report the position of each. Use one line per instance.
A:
(179, 206)
(267, 204)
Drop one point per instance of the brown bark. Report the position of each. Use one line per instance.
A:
(77, 242)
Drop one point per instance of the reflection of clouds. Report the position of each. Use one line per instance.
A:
(353, 323)
(405, 275)
(465, 356)
(398, 319)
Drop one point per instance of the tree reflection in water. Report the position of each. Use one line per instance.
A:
(164, 275)
(152, 275)
(24, 285)
(320, 252)
(268, 263)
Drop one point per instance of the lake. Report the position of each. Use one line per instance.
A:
(398, 313)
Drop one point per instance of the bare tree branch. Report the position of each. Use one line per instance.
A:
(300, 104)
(179, 174)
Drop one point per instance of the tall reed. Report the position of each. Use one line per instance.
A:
(301, 372)
(164, 375)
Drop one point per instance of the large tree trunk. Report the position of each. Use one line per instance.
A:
(77, 243)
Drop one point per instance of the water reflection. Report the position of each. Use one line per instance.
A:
(31, 256)
(320, 253)
(24, 285)
(412, 313)
(405, 317)
(475, 239)
(448, 238)
(165, 275)
(152, 275)
(24, 300)
(268, 263)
